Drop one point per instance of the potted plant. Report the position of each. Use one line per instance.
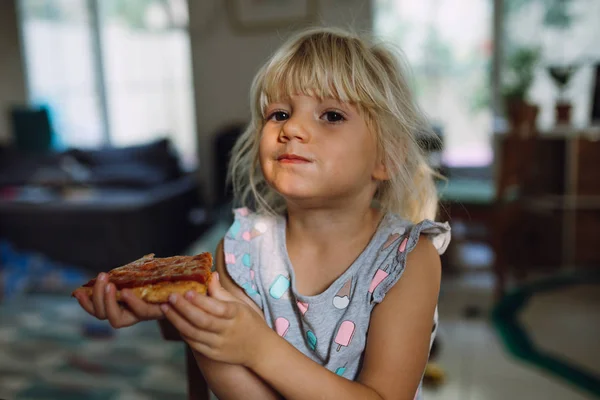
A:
(518, 76)
(561, 75)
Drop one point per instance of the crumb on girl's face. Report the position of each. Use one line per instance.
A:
(318, 150)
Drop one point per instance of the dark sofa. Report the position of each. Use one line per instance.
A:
(98, 209)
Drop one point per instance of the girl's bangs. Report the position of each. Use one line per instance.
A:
(321, 72)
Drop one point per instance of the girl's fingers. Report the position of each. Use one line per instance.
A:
(201, 348)
(211, 305)
(85, 302)
(117, 316)
(139, 307)
(98, 295)
(188, 331)
(196, 316)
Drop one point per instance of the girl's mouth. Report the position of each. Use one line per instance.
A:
(292, 159)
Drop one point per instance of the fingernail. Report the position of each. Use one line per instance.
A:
(172, 299)
(189, 295)
(164, 308)
(107, 288)
(217, 275)
(102, 276)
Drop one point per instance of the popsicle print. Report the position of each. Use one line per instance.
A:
(312, 340)
(243, 211)
(229, 258)
(303, 307)
(340, 371)
(279, 286)
(234, 229)
(246, 260)
(249, 289)
(282, 326)
(345, 334)
(402, 246)
(342, 297)
(380, 275)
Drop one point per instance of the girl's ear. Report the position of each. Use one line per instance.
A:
(380, 173)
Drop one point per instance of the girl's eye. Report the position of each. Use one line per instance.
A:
(279, 116)
(332, 116)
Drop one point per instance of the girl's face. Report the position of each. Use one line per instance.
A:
(317, 150)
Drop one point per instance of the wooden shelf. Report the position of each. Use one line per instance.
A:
(566, 189)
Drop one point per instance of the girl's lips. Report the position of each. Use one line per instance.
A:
(292, 159)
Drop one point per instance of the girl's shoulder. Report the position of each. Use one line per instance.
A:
(248, 225)
(242, 246)
(397, 227)
(396, 238)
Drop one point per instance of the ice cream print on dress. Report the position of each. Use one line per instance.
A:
(244, 211)
(380, 275)
(342, 297)
(340, 371)
(279, 286)
(312, 340)
(259, 228)
(282, 326)
(402, 246)
(303, 307)
(391, 239)
(250, 289)
(246, 260)
(229, 258)
(234, 229)
(345, 334)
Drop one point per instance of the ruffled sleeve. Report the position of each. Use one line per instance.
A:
(392, 264)
(241, 253)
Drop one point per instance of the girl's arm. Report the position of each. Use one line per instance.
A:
(397, 346)
(230, 381)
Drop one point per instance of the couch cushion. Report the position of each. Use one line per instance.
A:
(158, 155)
(131, 175)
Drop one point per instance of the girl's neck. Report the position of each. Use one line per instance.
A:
(320, 227)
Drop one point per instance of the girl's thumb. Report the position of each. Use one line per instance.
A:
(216, 290)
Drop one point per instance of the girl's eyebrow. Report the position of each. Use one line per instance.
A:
(344, 106)
(277, 102)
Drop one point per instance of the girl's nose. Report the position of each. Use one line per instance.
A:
(294, 129)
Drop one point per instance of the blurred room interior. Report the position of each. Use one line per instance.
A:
(116, 122)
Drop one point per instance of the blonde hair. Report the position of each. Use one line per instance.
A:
(331, 63)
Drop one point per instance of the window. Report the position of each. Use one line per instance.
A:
(114, 72)
(564, 35)
(448, 46)
(60, 68)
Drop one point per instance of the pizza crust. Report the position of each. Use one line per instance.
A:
(158, 292)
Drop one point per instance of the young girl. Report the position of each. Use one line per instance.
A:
(328, 289)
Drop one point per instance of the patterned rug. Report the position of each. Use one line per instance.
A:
(51, 349)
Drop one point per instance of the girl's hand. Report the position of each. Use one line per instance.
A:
(220, 326)
(103, 305)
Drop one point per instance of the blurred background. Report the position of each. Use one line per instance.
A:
(116, 122)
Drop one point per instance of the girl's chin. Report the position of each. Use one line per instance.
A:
(296, 195)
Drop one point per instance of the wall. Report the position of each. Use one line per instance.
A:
(225, 61)
(12, 79)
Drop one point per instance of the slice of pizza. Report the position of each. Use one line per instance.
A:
(154, 279)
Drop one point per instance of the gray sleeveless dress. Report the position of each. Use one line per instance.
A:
(331, 327)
